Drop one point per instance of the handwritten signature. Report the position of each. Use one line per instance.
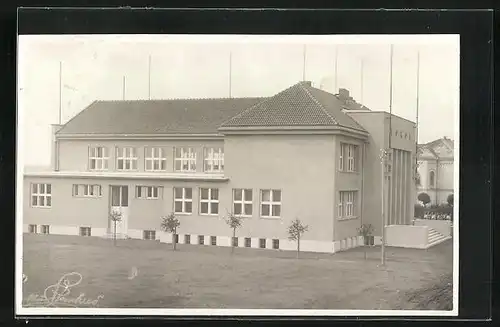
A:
(57, 295)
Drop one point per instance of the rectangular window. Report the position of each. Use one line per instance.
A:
(276, 244)
(209, 201)
(45, 229)
(242, 202)
(248, 242)
(235, 241)
(148, 192)
(155, 159)
(270, 203)
(85, 231)
(41, 195)
(87, 190)
(187, 239)
(262, 243)
(201, 239)
(126, 158)
(348, 157)
(32, 229)
(98, 158)
(213, 240)
(149, 235)
(213, 160)
(183, 200)
(185, 160)
(347, 204)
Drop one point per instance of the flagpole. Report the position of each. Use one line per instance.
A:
(149, 78)
(418, 105)
(304, 64)
(60, 92)
(362, 78)
(390, 98)
(230, 73)
(336, 68)
(123, 90)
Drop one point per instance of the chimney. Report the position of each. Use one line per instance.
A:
(55, 147)
(343, 94)
(307, 83)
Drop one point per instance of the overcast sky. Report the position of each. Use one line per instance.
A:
(186, 67)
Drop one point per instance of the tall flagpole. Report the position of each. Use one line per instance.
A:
(304, 64)
(230, 72)
(123, 88)
(390, 98)
(362, 78)
(149, 78)
(418, 105)
(336, 68)
(60, 92)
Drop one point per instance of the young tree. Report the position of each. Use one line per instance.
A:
(234, 222)
(450, 199)
(115, 216)
(170, 224)
(424, 198)
(295, 231)
(366, 231)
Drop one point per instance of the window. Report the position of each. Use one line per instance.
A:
(187, 239)
(45, 229)
(155, 159)
(248, 242)
(270, 203)
(87, 190)
(262, 243)
(276, 244)
(183, 200)
(98, 158)
(242, 202)
(235, 241)
(201, 239)
(32, 229)
(213, 240)
(185, 159)
(41, 195)
(85, 231)
(126, 158)
(149, 235)
(214, 159)
(148, 192)
(348, 157)
(347, 204)
(432, 176)
(209, 201)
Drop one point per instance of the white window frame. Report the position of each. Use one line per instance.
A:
(149, 235)
(348, 157)
(341, 157)
(85, 228)
(188, 157)
(213, 157)
(128, 154)
(41, 194)
(433, 180)
(87, 190)
(271, 203)
(45, 229)
(183, 200)
(243, 202)
(159, 160)
(209, 201)
(101, 162)
(347, 204)
(148, 192)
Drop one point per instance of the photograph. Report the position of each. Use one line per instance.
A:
(168, 175)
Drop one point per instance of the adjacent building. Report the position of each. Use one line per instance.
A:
(302, 153)
(435, 169)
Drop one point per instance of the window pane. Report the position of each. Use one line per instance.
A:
(99, 152)
(75, 189)
(49, 189)
(178, 193)
(134, 164)
(34, 200)
(265, 210)
(49, 201)
(248, 195)
(42, 188)
(148, 164)
(276, 210)
(276, 196)
(155, 192)
(150, 192)
(139, 191)
(189, 207)
(204, 193)
(178, 165)
(41, 200)
(266, 195)
(178, 206)
(188, 193)
(237, 209)
(177, 152)
(237, 194)
(204, 207)
(124, 196)
(214, 194)
(163, 165)
(214, 208)
(156, 165)
(115, 196)
(120, 164)
(248, 209)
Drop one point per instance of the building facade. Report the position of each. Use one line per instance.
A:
(302, 153)
(435, 169)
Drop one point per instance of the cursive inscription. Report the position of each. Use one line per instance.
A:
(58, 295)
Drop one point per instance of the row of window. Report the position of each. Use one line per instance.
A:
(155, 159)
(270, 200)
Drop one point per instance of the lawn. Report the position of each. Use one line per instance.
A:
(148, 274)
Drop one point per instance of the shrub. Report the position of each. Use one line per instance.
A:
(295, 231)
(449, 199)
(170, 224)
(424, 198)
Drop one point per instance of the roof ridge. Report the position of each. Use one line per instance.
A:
(182, 99)
(264, 99)
(319, 104)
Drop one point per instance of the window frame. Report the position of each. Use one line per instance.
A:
(271, 203)
(349, 157)
(132, 158)
(144, 189)
(209, 201)
(347, 204)
(243, 202)
(146, 235)
(183, 200)
(190, 159)
(149, 157)
(38, 194)
(433, 184)
(103, 160)
(86, 190)
(209, 161)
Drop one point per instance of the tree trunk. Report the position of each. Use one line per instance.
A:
(174, 240)
(114, 233)
(365, 251)
(232, 240)
(298, 246)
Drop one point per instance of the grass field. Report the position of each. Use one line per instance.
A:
(148, 274)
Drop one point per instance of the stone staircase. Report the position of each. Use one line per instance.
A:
(434, 238)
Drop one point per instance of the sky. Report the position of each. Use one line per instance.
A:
(94, 67)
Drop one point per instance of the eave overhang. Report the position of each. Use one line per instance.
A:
(130, 176)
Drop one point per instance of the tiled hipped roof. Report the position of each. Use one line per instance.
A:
(300, 105)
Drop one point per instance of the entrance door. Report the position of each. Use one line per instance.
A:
(119, 203)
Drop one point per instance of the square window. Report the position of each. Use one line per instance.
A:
(266, 195)
(248, 195)
(262, 243)
(45, 229)
(201, 239)
(85, 231)
(237, 209)
(276, 196)
(188, 193)
(32, 229)
(265, 210)
(238, 194)
(204, 193)
(248, 242)
(213, 240)
(189, 207)
(276, 244)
